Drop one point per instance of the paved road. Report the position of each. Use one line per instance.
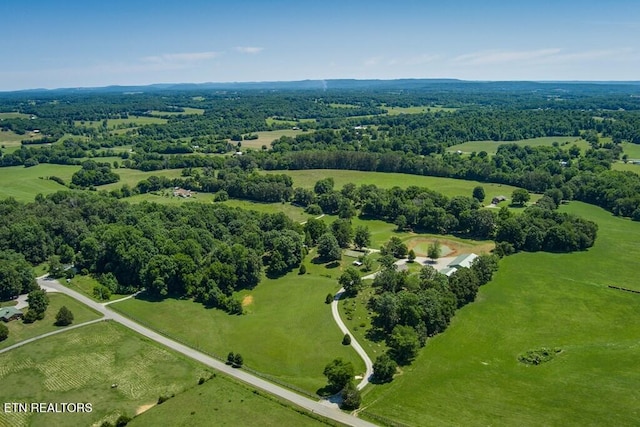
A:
(304, 402)
(354, 343)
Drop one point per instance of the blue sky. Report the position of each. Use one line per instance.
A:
(71, 43)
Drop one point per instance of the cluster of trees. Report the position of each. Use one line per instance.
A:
(340, 376)
(93, 174)
(409, 308)
(539, 227)
(192, 250)
(534, 168)
(16, 275)
(38, 303)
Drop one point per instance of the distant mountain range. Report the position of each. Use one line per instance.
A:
(354, 84)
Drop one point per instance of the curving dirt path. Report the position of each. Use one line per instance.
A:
(354, 343)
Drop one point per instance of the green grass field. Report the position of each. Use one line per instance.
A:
(24, 184)
(221, 401)
(287, 331)
(10, 139)
(394, 111)
(134, 176)
(267, 137)
(470, 375)
(165, 197)
(187, 111)
(14, 115)
(85, 284)
(114, 123)
(448, 186)
(295, 213)
(632, 150)
(620, 166)
(492, 146)
(20, 331)
(81, 365)
(273, 121)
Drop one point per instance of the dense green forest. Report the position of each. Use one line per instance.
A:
(207, 252)
(345, 126)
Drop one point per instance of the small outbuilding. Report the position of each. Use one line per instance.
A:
(8, 314)
(181, 192)
(498, 199)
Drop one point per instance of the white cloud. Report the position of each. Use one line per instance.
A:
(180, 58)
(497, 56)
(373, 61)
(251, 50)
(540, 56)
(423, 58)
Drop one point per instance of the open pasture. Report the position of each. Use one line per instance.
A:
(274, 121)
(448, 186)
(632, 150)
(491, 147)
(134, 176)
(294, 212)
(24, 184)
(116, 123)
(630, 167)
(10, 139)
(228, 403)
(535, 300)
(266, 138)
(14, 115)
(287, 330)
(81, 365)
(188, 111)
(166, 197)
(421, 109)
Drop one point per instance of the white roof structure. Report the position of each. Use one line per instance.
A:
(464, 260)
(461, 261)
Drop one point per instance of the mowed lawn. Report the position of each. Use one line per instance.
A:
(470, 375)
(20, 331)
(221, 401)
(491, 147)
(24, 184)
(81, 365)
(287, 332)
(447, 186)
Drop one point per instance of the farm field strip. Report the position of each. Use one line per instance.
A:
(535, 300)
(297, 399)
(492, 146)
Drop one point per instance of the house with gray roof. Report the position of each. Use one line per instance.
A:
(8, 314)
(461, 261)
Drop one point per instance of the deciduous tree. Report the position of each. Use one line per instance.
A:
(384, 368)
(338, 373)
(328, 247)
(64, 316)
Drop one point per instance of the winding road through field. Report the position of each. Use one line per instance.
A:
(354, 343)
(304, 402)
